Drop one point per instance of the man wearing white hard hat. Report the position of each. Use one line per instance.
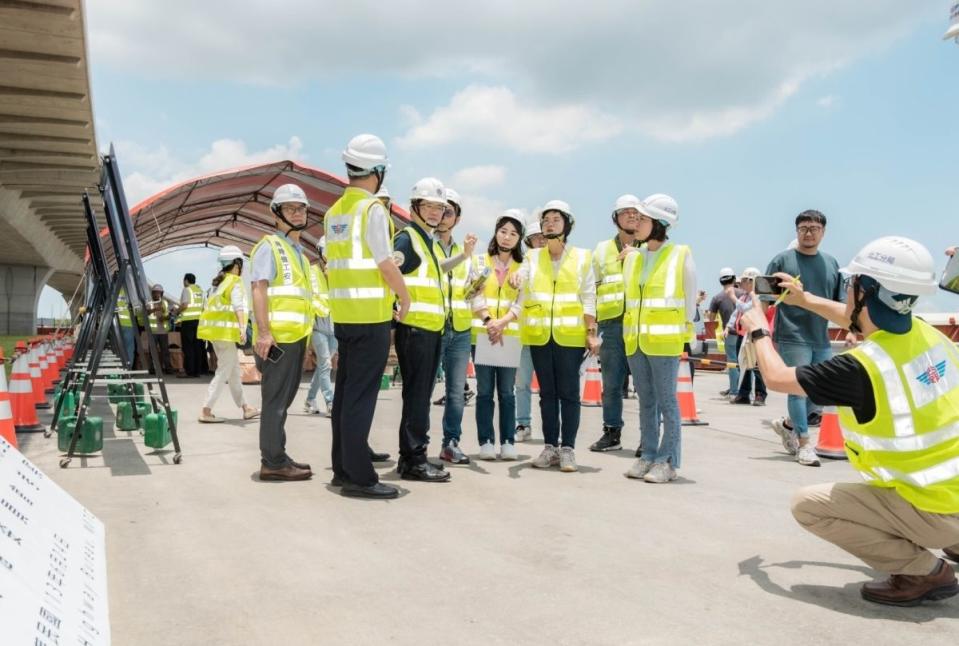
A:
(158, 318)
(282, 319)
(364, 283)
(534, 239)
(610, 305)
(722, 308)
(660, 306)
(898, 399)
(223, 323)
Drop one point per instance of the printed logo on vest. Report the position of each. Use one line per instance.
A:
(339, 229)
(930, 376)
(933, 374)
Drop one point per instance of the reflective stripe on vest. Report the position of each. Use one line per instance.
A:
(456, 287)
(218, 321)
(912, 442)
(655, 319)
(610, 291)
(195, 308)
(321, 293)
(357, 291)
(123, 310)
(553, 307)
(427, 287)
(499, 298)
(289, 294)
(154, 321)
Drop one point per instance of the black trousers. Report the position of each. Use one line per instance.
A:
(364, 349)
(191, 346)
(278, 387)
(418, 351)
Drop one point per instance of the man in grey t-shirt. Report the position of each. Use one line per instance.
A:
(800, 335)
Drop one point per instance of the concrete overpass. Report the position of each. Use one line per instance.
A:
(48, 153)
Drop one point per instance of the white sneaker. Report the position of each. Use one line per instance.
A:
(639, 469)
(487, 452)
(660, 472)
(788, 436)
(309, 406)
(567, 460)
(507, 452)
(807, 457)
(548, 458)
(523, 433)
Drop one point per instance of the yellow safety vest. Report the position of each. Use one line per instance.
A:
(321, 292)
(499, 298)
(456, 287)
(154, 321)
(553, 306)
(195, 308)
(123, 309)
(427, 287)
(912, 444)
(655, 317)
(289, 294)
(610, 291)
(358, 291)
(218, 321)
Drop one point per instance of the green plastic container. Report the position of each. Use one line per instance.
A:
(125, 421)
(69, 404)
(91, 437)
(385, 382)
(156, 432)
(145, 409)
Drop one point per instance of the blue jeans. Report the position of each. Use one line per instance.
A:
(655, 380)
(795, 355)
(557, 369)
(454, 358)
(324, 345)
(524, 396)
(128, 335)
(502, 380)
(732, 357)
(612, 358)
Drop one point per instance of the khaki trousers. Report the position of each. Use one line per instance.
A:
(876, 525)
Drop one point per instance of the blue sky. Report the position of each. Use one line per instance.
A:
(745, 117)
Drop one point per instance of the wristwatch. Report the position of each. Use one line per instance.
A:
(759, 333)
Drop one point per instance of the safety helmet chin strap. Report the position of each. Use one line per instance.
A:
(278, 212)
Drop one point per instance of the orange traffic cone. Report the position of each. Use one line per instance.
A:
(534, 384)
(686, 396)
(470, 370)
(831, 444)
(593, 386)
(36, 378)
(7, 429)
(45, 378)
(21, 396)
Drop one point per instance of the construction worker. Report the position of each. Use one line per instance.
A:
(324, 342)
(191, 306)
(419, 335)
(747, 282)
(383, 195)
(363, 280)
(610, 305)
(524, 374)
(456, 262)
(282, 320)
(661, 297)
(223, 323)
(722, 309)
(128, 328)
(496, 311)
(158, 318)
(898, 399)
(558, 322)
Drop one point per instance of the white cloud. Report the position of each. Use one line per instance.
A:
(148, 171)
(483, 114)
(476, 178)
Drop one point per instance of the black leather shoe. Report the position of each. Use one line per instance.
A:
(378, 457)
(639, 451)
(379, 490)
(337, 481)
(424, 472)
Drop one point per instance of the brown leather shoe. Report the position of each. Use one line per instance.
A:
(953, 556)
(288, 472)
(301, 465)
(910, 590)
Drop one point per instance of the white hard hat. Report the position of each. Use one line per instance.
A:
(663, 208)
(366, 152)
(562, 207)
(516, 216)
(750, 273)
(383, 193)
(288, 193)
(532, 227)
(901, 265)
(727, 272)
(429, 189)
(453, 197)
(953, 31)
(628, 202)
(228, 254)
